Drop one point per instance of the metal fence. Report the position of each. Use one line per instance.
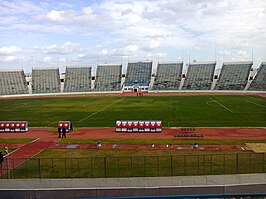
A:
(135, 166)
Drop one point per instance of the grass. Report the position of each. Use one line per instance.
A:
(9, 150)
(15, 140)
(174, 111)
(159, 141)
(84, 163)
(84, 153)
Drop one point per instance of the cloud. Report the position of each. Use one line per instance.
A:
(68, 47)
(224, 52)
(81, 55)
(8, 20)
(154, 44)
(109, 30)
(242, 53)
(84, 18)
(9, 50)
(103, 52)
(47, 59)
(21, 7)
(87, 10)
(60, 16)
(131, 48)
(62, 60)
(179, 22)
(9, 58)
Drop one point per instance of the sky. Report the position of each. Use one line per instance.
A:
(90, 32)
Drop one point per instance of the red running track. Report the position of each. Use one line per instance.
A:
(168, 133)
(22, 153)
(46, 138)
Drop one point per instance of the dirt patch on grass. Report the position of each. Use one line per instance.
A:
(257, 147)
(149, 147)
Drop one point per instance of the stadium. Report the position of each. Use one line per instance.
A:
(176, 132)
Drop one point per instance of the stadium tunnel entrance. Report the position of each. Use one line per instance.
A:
(135, 88)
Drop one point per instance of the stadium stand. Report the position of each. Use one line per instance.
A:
(108, 77)
(13, 82)
(138, 78)
(138, 73)
(199, 76)
(233, 76)
(77, 79)
(259, 82)
(45, 80)
(168, 76)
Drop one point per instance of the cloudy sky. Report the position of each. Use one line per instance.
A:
(90, 32)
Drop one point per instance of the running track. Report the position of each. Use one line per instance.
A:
(44, 138)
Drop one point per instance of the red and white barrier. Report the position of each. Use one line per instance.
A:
(138, 126)
(65, 125)
(13, 126)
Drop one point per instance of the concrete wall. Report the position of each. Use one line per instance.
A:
(123, 187)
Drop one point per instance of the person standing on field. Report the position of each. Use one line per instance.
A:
(64, 133)
(59, 132)
(1, 159)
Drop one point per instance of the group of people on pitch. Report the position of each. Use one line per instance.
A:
(61, 131)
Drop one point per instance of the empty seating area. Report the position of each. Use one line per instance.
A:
(138, 78)
(138, 73)
(199, 76)
(259, 82)
(233, 76)
(77, 79)
(13, 82)
(108, 77)
(45, 80)
(168, 76)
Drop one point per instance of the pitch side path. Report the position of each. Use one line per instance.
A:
(25, 151)
(47, 138)
(50, 135)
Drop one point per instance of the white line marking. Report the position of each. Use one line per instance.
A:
(101, 110)
(20, 147)
(262, 100)
(14, 105)
(25, 159)
(222, 105)
(255, 103)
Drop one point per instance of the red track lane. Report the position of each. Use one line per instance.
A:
(26, 151)
(46, 134)
(168, 133)
(13, 146)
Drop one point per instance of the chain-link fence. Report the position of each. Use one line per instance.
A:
(135, 166)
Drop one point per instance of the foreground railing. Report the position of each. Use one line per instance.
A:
(135, 166)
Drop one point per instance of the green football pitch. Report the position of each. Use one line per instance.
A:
(174, 111)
